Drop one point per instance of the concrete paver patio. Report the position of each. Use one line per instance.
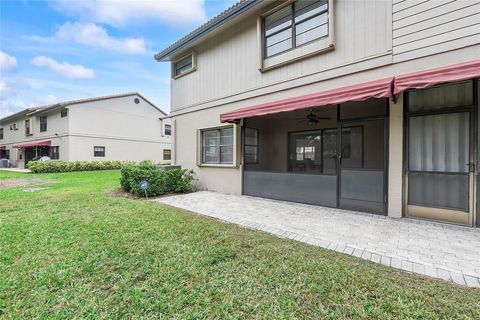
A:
(438, 250)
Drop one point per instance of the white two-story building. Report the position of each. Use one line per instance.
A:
(119, 127)
(369, 105)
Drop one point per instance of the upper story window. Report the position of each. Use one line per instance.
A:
(168, 129)
(298, 23)
(64, 113)
(1, 133)
(13, 126)
(184, 65)
(28, 128)
(217, 146)
(43, 123)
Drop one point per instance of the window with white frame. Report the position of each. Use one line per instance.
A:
(294, 25)
(43, 123)
(98, 151)
(217, 146)
(168, 129)
(184, 65)
(28, 128)
(1, 133)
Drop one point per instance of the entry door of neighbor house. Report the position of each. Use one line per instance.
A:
(439, 162)
(362, 160)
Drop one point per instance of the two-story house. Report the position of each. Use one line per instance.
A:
(368, 105)
(119, 127)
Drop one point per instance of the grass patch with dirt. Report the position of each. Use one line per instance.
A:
(75, 251)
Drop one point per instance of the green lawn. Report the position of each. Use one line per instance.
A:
(74, 251)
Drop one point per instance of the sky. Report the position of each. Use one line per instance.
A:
(53, 51)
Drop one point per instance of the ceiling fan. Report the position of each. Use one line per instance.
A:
(312, 118)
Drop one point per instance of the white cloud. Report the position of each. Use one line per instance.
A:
(74, 71)
(94, 36)
(11, 88)
(7, 62)
(121, 12)
(9, 107)
(48, 99)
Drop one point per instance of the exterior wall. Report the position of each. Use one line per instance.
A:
(223, 179)
(55, 125)
(186, 123)
(57, 129)
(421, 28)
(228, 63)
(129, 131)
(373, 39)
(115, 149)
(117, 117)
(395, 159)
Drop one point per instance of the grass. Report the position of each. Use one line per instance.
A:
(74, 251)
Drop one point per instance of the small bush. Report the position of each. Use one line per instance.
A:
(70, 166)
(160, 182)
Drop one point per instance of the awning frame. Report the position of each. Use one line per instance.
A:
(45, 143)
(382, 88)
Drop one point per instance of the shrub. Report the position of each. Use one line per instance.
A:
(69, 166)
(160, 182)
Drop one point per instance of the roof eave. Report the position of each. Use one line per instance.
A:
(166, 54)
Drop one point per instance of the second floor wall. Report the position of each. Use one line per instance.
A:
(15, 130)
(121, 117)
(129, 117)
(365, 34)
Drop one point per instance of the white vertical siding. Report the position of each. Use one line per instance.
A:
(425, 27)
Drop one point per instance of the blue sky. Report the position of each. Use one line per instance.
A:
(61, 50)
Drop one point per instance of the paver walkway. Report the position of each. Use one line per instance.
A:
(438, 250)
(16, 170)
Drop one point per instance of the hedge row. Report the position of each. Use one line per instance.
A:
(69, 166)
(160, 182)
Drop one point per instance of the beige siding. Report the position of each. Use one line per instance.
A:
(230, 179)
(423, 28)
(227, 64)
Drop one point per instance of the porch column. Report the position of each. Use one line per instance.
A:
(395, 159)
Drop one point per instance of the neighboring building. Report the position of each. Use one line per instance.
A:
(321, 102)
(119, 127)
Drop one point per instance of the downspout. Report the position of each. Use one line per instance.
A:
(173, 161)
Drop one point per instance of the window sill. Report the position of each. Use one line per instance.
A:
(305, 51)
(185, 73)
(220, 165)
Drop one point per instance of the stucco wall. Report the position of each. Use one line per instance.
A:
(128, 130)
(81, 148)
